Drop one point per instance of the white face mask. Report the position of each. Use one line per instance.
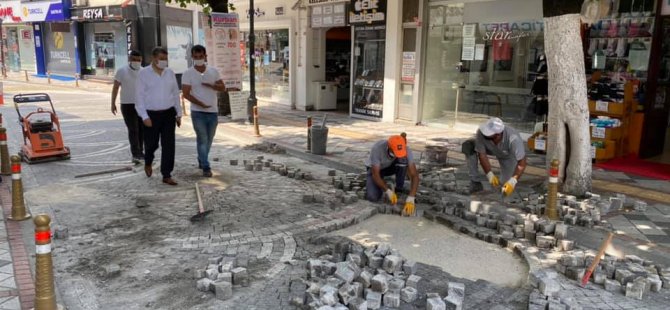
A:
(199, 62)
(162, 64)
(135, 65)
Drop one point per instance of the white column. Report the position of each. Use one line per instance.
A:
(393, 59)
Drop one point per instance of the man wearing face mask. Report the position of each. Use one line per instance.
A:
(159, 107)
(126, 78)
(199, 85)
(503, 142)
(391, 157)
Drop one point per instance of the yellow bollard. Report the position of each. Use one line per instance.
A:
(49, 77)
(257, 130)
(4, 153)
(25, 72)
(552, 196)
(19, 212)
(45, 292)
(309, 133)
(76, 80)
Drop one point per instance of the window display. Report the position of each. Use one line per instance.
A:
(106, 47)
(271, 56)
(479, 64)
(369, 46)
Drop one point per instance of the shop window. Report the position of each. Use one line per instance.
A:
(481, 63)
(271, 57)
(369, 46)
(410, 11)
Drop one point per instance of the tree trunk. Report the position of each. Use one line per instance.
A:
(568, 103)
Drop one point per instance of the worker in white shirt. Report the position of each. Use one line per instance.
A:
(200, 85)
(126, 78)
(159, 107)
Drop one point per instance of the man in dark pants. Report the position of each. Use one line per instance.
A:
(126, 78)
(387, 158)
(159, 107)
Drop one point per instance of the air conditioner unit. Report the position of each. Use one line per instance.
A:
(80, 3)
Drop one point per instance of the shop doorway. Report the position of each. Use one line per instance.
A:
(338, 64)
(271, 56)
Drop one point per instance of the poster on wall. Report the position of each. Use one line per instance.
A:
(408, 66)
(179, 43)
(225, 48)
(238, 104)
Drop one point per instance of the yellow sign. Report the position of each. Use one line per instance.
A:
(58, 40)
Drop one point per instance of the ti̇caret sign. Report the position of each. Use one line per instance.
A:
(367, 11)
(10, 11)
(46, 11)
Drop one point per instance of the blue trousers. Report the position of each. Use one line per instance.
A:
(374, 193)
(204, 124)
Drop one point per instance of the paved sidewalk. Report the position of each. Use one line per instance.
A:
(350, 139)
(17, 289)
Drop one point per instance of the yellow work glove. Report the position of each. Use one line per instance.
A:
(393, 198)
(508, 188)
(409, 206)
(493, 179)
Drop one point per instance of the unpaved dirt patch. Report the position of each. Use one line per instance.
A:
(434, 244)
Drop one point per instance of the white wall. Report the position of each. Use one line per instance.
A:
(393, 61)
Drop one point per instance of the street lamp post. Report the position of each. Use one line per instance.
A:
(252, 102)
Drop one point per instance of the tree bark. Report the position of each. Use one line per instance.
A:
(568, 103)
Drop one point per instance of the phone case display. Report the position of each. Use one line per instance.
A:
(368, 88)
(621, 42)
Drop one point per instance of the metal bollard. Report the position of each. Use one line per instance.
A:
(309, 133)
(49, 77)
(257, 130)
(25, 72)
(45, 292)
(552, 199)
(76, 80)
(19, 212)
(4, 153)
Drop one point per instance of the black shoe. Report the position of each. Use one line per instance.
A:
(476, 187)
(207, 173)
(137, 160)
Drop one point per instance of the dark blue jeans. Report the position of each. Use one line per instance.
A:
(374, 192)
(204, 124)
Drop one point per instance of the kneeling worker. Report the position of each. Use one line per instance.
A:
(503, 142)
(391, 157)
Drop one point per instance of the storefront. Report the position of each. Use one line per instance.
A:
(53, 35)
(18, 45)
(481, 60)
(108, 33)
(273, 49)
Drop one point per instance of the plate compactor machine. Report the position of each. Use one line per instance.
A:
(42, 135)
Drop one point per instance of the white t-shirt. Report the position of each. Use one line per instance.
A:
(127, 77)
(203, 93)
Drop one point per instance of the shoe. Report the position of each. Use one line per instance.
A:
(136, 160)
(207, 173)
(148, 170)
(476, 187)
(169, 181)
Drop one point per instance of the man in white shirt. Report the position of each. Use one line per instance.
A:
(200, 85)
(126, 78)
(159, 107)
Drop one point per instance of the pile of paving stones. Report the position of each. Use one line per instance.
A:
(354, 277)
(631, 275)
(260, 162)
(266, 147)
(221, 275)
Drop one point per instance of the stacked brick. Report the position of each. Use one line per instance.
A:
(355, 278)
(221, 276)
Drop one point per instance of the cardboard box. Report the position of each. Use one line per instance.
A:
(605, 153)
(607, 107)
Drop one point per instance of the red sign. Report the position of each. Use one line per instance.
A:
(25, 34)
(6, 12)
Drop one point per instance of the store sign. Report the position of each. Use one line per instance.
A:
(226, 48)
(10, 11)
(43, 11)
(129, 36)
(279, 11)
(329, 15)
(93, 13)
(367, 11)
(320, 2)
